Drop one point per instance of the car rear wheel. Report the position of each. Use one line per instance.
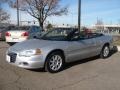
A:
(105, 52)
(54, 62)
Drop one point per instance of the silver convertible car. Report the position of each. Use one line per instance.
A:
(57, 47)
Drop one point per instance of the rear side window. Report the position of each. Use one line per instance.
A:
(34, 29)
(94, 35)
(39, 29)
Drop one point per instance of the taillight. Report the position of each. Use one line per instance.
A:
(25, 34)
(7, 34)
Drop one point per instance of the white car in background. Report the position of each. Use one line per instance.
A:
(22, 33)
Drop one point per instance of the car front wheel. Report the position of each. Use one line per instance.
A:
(54, 62)
(105, 52)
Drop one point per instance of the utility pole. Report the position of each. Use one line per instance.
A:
(79, 15)
(17, 13)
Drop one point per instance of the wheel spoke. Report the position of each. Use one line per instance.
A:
(51, 61)
(54, 57)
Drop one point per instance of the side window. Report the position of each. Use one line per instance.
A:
(34, 29)
(38, 29)
(75, 36)
(83, 36)
(90, 35)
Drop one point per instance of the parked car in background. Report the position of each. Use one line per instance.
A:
(2, 33)
(58, 47)
(3, 30)
(22, 33)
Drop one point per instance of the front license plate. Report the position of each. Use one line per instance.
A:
(8, 58)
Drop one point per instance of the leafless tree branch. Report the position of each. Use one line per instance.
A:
(4, 16)
(41, 9)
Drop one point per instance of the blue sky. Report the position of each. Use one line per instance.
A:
(107, 10)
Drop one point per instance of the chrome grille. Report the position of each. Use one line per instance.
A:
(12, 57)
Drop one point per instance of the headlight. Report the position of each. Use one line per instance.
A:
(28, 53)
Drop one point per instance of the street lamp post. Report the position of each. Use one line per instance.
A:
(17, 13)
(79, 15)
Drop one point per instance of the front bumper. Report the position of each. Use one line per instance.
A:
(33, 62)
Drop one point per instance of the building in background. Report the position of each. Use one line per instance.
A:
(108, 29)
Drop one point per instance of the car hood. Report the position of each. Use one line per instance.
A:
(30, 44)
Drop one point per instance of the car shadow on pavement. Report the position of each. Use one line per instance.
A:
(114, 50)
(69, 65)
(37, 70)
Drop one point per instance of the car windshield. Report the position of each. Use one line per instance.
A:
(57, 35)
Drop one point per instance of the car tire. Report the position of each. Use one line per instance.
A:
(105, 52)
(55, 62)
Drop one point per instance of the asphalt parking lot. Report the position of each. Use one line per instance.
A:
(88, 74)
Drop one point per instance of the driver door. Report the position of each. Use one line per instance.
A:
(80, 48)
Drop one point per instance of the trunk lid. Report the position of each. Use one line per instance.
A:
(16, 33)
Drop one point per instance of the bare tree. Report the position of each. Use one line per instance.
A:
(49, 26)
(41, 9)
(99, 24)
(4, 16)
(2, 2)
